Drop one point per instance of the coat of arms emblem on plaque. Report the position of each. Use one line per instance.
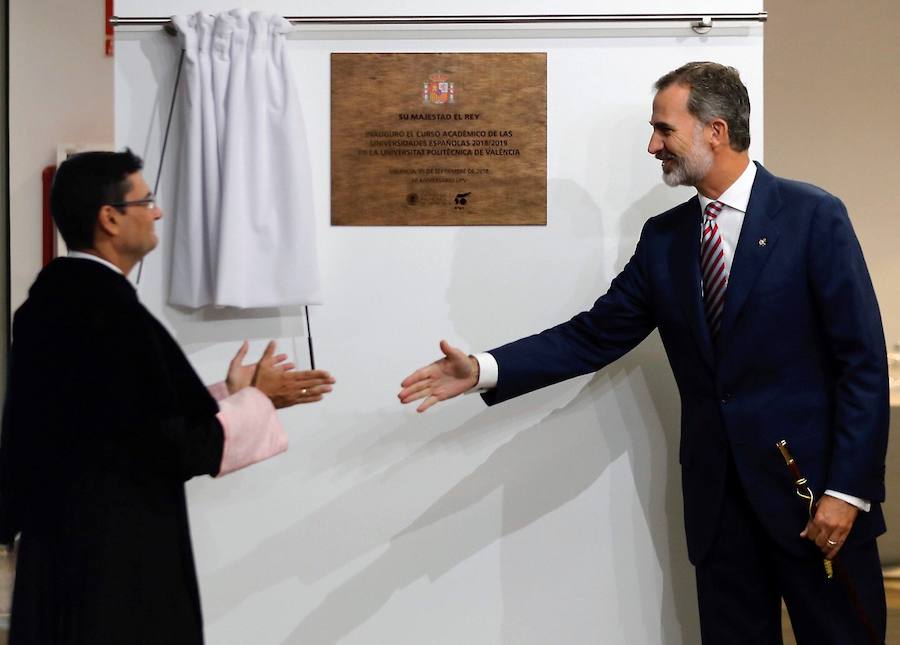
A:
(438, 90)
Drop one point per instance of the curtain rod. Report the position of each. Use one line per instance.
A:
(698, 21)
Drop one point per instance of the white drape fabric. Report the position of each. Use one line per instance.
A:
(244, 226)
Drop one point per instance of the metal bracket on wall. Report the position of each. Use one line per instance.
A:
(703, 26)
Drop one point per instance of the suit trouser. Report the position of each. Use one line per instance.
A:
(741, 581)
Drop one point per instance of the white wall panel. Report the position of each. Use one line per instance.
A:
(554, 518)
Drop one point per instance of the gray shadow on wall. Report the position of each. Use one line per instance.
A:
(310, 550)
(653, 432)
(662, 502)
(536, 472)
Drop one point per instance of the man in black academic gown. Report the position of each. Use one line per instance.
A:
(105, 420)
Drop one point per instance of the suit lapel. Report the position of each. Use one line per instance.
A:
(685, 271)
(759, 234)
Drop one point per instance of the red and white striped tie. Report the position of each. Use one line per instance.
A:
(712, 268)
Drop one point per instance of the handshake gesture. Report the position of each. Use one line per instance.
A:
(277, 378)
(445, 378)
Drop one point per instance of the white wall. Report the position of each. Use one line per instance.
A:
(555, 518)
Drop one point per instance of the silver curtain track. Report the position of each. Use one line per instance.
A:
(696, 20)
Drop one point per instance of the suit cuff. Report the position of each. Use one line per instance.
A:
(488, 372)
(862, 504)
(218, 391)
(251, 428)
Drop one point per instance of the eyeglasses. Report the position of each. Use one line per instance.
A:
(148, 202)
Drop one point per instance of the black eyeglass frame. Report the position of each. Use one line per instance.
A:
(149, 202)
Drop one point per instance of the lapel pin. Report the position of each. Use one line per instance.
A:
(762, 241)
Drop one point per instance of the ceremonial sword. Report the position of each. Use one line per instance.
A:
(804, 492)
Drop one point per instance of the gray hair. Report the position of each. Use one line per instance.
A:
(716, 91)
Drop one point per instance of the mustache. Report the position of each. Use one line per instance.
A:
(665, 156)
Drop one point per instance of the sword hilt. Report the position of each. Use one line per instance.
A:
(804, 491)
(799, 480)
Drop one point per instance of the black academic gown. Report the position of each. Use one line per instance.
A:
(104, 420)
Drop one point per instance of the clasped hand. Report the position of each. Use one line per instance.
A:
(276, 377)
(831, 524)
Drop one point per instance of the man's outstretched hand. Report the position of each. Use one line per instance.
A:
(443, 379)
(240, 375)
(279, 381)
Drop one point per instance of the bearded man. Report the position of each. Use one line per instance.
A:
(767, 313)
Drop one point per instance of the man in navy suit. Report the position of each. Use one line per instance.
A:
(767, 313)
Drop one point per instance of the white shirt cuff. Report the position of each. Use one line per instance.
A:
(488, 371)
(862, 504)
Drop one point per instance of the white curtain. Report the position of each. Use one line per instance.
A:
(244, 227)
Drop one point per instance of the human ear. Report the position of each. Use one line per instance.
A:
(719, 132)
(107, 220)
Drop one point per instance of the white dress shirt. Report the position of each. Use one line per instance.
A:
(734, 205)
(730, 220)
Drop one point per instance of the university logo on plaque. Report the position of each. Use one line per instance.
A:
(439, 139)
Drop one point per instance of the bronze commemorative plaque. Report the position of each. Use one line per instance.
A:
(438, 139)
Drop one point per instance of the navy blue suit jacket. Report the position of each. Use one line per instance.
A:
(801, 356)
